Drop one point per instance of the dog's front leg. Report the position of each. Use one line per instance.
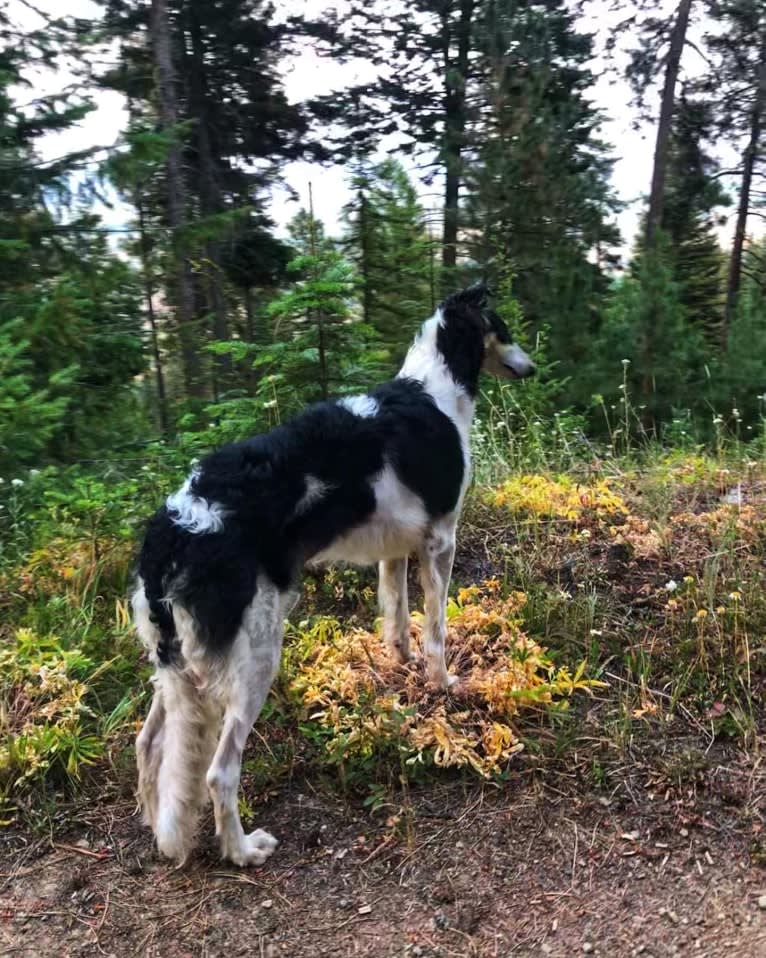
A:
(392, 595)
(436, 557)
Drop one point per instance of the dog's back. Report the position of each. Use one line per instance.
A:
(305, 490)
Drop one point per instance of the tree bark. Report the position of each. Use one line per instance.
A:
(210, 198)
(749, 160)
(364, 236)
(162, 407)
(667, 107)
(317, 313)
(455, 78)
(176, 198)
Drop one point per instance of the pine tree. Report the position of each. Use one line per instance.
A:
(539, 197)
(321, 347)
(692, 193)
(70, 337)
(645, 328)
(739, 85)
(424, 51)
(234, 129)
(387, 240)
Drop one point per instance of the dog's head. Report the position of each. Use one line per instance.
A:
(502, 357)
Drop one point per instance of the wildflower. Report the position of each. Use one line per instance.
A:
(17, 482)
(717, 420)
(671, 586)
(701, 614)
(270, 404)
(735, 596)
(33, 473)
(688, 579)
(1, 480)
(720, 610)
(735, 413)
(626, 362)
(672, 604)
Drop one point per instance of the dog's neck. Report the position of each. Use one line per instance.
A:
(449, 369)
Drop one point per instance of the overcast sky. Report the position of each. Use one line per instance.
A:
(309, 75)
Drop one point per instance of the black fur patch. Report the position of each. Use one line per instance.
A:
(260, 482)
(494, 324)
(460, 338)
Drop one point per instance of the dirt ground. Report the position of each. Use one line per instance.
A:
(537, 866)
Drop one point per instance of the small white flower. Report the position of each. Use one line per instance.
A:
(671, 586)
(735, 413)
(1, 480)
(33, 473)
(717, 420)
(626, 362)
(270, 404)
(17, 482)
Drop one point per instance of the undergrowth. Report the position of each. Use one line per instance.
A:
(631, 586)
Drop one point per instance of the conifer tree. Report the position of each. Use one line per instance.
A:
(70, 339)
(234, 129)
(693, 192)
(739, 85)
(540, 202)
(387, 240)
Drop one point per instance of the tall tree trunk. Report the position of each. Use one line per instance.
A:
(455, 78)
(146, 272)
(748, 166)
(176, 198)
(211, 201)
(254, 335)
(657, 195)
(364, 237)
(317, 313)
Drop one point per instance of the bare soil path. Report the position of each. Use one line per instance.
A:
(537, 866)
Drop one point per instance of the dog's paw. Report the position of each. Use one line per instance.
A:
(444, 681)
(254, 849)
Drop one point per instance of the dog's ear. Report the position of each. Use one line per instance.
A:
(476, 295)
(471, 301)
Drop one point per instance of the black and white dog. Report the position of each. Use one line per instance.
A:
(367, 479)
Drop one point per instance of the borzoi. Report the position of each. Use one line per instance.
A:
(365, 479)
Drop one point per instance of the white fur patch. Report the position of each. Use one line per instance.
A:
(364, 406)
(193, 513)
(394, 530)
(315, 490)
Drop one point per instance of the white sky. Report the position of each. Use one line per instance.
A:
(310, 75)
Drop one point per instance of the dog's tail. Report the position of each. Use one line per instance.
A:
(152, 612)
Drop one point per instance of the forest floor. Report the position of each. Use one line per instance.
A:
(538, 866)
(632, 823)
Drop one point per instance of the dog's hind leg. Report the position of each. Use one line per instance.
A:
(436, 557)
(192, 719)
(392, 594)
(253, 665)
(149, 748)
